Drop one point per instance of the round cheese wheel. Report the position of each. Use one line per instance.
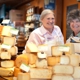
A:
(64, 59)
(22, 58)
(7, 63)
(53, 60)
(41, 63)
(32, 58)
(13, 50)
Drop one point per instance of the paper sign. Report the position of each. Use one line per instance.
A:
(64, 48)
(14, 31)
(5, 46)
(25, 67)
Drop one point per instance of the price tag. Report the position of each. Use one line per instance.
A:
(6, 46)
(64, 48)
(25, 67)
(14, 31)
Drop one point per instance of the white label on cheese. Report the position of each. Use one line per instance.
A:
(25, 67)
(64, 48)
(14, 31)
(6, 46)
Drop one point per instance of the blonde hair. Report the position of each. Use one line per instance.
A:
(45, 12)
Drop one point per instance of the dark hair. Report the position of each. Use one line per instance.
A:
(73, 14)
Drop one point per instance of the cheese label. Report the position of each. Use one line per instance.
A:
(14, 31)
(6, 46)
(25, 67)
(64, 48)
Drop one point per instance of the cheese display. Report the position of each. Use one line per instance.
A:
(63, 69)
(62, 77)
(41, 73)
(38, 62)
(31, 47)
(53, 60)
(23, 58)
(7, 63)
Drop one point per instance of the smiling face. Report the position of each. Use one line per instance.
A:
(48, 21)
(75, 26)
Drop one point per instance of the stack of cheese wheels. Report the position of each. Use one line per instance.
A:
(7, 51)
(67, 69)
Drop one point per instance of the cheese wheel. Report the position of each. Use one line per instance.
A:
(13, 50)
(74, 60)
(16, 71)
(5, 55)
(63, 69)
(71, 48)
(55, 51)
(76, 73)
(9, 41)
(53, 60)
(42, 55)
(41, 63)
(7, 63)
(32, 58)
(62, 77)
(6, 31)
(22, 58)
(64, 59)
(23, 76)
(41, 73)
(31, 47)
(6, 71)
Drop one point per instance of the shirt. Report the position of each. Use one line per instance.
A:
(41, 35)
(72, 35)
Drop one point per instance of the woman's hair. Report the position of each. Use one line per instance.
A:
(45, 12)
(73, 14)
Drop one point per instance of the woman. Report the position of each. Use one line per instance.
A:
(48, 31)
(73, 20)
